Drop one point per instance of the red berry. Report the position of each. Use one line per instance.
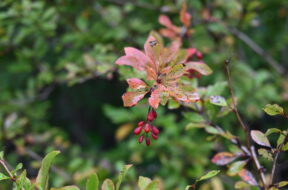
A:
(152, 115)
(147, 128)
(199, 55)
(155, 130)
(141, 138)
(147, 141)
(138, 130)
(154, 136)
(141, 123)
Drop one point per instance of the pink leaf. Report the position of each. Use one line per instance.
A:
(136, 84)
(132, 98)
(154, 99)
(139, 55)
(247, 177)
(168, 33)
(184, 16)
(223, 158)
(131, 61)
(165, 21)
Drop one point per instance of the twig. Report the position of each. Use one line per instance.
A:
(274, 168)
(2, 162)
(244, 127)
(257, 49)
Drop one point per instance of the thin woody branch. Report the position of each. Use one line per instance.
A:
(244, 127)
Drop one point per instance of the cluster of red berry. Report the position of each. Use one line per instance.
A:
(145, 127)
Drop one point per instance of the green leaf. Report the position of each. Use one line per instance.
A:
(280, 140)
(195, 125)
(274, 109)
(282, 184)
(263, 152)
(143, 182)
(122, 175)
(1, 155)
(241, 185)
(108, 185)
(92, 182)
(154, 185)
(18, 167)
(3, 177)
(272, 130)
(208, 175)
(236, 167)
(72, 187)
(43, 174)
(212, 130)
(260, 138)
(218, 100)
(20, 180)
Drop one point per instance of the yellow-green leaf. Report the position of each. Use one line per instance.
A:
(43, 176)
(143, 182)
(92, 182)
(108, 185)
(122, 175)
(274, 109)
(260, 138)
(71, 187)
(208, 175)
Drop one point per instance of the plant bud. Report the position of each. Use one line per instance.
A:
(141, 123)
(147, 141)
(155, 130)
(147, 128)
(141, 138)
(154, 136)
(138, 130)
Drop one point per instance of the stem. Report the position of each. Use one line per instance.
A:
(244, 127)
(2, 162)
(274, 168)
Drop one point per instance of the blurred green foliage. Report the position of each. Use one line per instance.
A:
(60, 88)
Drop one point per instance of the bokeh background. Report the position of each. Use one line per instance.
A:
(60, 88)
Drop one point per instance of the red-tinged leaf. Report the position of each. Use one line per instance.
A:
(193, 96)
(131, 61)
(136, 84)
(154, 99)
(168, 33)
(191, 51)
(176, 72)
(223, 158)
(248, 177)
(132, 98)
(153, 48)
(184, 16)
(165, 21)
(151, 71)
(139, 55)
(260, 138)
(170, 53)
(200, 67)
